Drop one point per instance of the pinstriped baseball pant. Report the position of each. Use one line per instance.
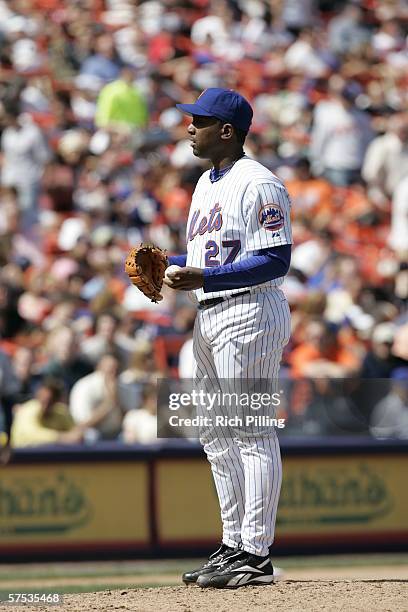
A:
(241, 339)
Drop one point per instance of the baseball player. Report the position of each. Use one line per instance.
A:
(238, 251)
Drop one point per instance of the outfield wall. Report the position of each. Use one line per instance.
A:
(337, 495)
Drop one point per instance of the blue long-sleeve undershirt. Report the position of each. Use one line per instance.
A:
(178, 260)
(260, 267)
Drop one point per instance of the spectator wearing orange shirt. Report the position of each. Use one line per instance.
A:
(310, 195)
(321, 354)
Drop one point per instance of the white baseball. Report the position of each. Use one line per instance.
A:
(171, 270)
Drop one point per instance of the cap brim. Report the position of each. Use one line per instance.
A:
(193, 109)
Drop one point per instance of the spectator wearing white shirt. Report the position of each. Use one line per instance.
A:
(140, 426)
(390, 416)
(213, 27)
(94, 401)
(299, 14)
(386, 159)
(186, 360)
(398, 237)
(25, 155)
(347, 32)
(340, 135)
(305, 57)
(389, 38)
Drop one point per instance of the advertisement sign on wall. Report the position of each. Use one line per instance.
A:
(101, 504)
(164, 503)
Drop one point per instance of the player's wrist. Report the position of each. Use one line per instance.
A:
(207, 280)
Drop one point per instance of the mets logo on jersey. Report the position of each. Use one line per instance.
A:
(271, 217)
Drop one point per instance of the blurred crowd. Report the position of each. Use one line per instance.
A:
(94, 158)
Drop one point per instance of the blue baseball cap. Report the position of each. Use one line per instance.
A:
(224, 104)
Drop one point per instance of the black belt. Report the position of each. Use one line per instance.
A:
(214, 301)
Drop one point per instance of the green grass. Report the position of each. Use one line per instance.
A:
(59, 571)
(358, 560)
(97, 571)
(104, 569)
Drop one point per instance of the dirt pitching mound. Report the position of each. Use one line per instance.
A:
(287, 596)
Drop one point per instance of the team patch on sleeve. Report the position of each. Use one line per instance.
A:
(271, 217)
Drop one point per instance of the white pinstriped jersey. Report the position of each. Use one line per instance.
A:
(245, 211)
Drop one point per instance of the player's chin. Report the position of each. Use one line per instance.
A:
(196, 151)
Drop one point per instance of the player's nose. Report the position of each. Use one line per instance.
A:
(191, 129)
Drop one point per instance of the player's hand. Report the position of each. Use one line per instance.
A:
(185, 279)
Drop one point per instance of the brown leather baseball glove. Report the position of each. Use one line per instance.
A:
(145, 265)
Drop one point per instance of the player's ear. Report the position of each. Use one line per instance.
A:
(227, 131)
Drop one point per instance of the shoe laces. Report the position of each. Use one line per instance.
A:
(221, 551)
(218, 555)
(234, 560)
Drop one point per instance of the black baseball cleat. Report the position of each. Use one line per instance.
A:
(240, 569)
(214, 561)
